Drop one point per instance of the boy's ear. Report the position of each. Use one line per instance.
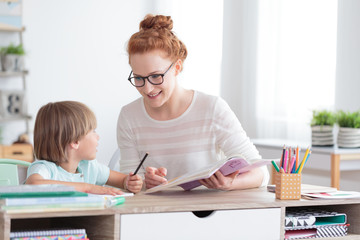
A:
(75, 145)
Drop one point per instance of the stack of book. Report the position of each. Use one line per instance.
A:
(314, 223)
(63, 234)
(41, 198)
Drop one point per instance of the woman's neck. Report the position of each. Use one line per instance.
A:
(175, 106)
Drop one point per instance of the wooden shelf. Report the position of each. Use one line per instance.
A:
(111, 223)
(11, 29)
(17, 118)
(13, 74)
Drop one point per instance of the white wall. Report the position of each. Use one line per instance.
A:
(76, 51)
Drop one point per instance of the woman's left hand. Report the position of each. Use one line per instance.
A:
(219, 181)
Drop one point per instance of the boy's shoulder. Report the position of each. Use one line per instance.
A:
(44, 162)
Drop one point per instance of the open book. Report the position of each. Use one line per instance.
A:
(190, 180)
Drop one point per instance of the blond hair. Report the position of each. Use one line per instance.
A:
(59, 124)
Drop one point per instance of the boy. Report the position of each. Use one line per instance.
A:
(65, 144)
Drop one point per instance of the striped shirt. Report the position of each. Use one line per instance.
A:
(208, 131)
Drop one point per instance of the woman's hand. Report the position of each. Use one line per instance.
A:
(219, 181)
(155, 176)
(133, 183)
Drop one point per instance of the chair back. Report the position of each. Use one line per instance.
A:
(114, 163)
(9, 171)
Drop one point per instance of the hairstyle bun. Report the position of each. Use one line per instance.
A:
(156, 22)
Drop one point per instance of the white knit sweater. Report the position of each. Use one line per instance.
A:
(206, 132)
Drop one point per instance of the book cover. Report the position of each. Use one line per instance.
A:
(191, 180)
(44, 190)
(49, 200)
(318, 232)
(48, 232)
(307, 217)
(332, 195)
(55, 208)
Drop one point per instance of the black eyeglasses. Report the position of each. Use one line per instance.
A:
(154, 79)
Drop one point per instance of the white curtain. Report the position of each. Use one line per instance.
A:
(287, 64)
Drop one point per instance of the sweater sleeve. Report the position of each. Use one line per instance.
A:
(232, 139)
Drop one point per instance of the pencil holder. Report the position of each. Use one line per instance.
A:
(288, 186)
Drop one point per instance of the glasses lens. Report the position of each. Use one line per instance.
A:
(137, 81)
(156, 79)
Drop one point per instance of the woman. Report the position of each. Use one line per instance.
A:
(183, 130)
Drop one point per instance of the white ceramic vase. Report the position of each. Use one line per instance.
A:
(348, 137)
(322, 135)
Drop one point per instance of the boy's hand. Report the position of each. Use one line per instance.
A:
(95, 189)
(133, 183)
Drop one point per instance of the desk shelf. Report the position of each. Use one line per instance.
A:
(106, 223)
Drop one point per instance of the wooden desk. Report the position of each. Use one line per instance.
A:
(336, 154)
(114, 223)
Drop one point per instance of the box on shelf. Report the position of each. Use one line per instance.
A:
(19, 151)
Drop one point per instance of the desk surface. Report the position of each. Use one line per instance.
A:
(279, 143)
(177, 200)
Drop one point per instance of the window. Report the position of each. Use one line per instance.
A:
(296, 65)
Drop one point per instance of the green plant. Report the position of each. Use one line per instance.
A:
(348, 119)
(323, 118)
(12, 49)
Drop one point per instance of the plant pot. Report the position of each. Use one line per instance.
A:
(12, 63)
(322, 135)
(348, 137)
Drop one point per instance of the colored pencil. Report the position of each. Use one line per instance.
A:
(275, 166)
(303, 161)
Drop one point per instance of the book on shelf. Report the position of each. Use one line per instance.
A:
(314, 223)
(32, 201)
(44, 190)
(53, 198)
(190, 180)
(65, 234)
(332, 195)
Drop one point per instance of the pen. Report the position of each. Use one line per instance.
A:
(142, 161)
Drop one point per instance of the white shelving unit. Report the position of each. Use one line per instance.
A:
(22, 115)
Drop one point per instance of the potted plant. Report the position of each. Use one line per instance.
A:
(349, 129)
(12, 58)
(322, 128)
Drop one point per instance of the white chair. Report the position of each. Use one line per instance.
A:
(114, 163)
